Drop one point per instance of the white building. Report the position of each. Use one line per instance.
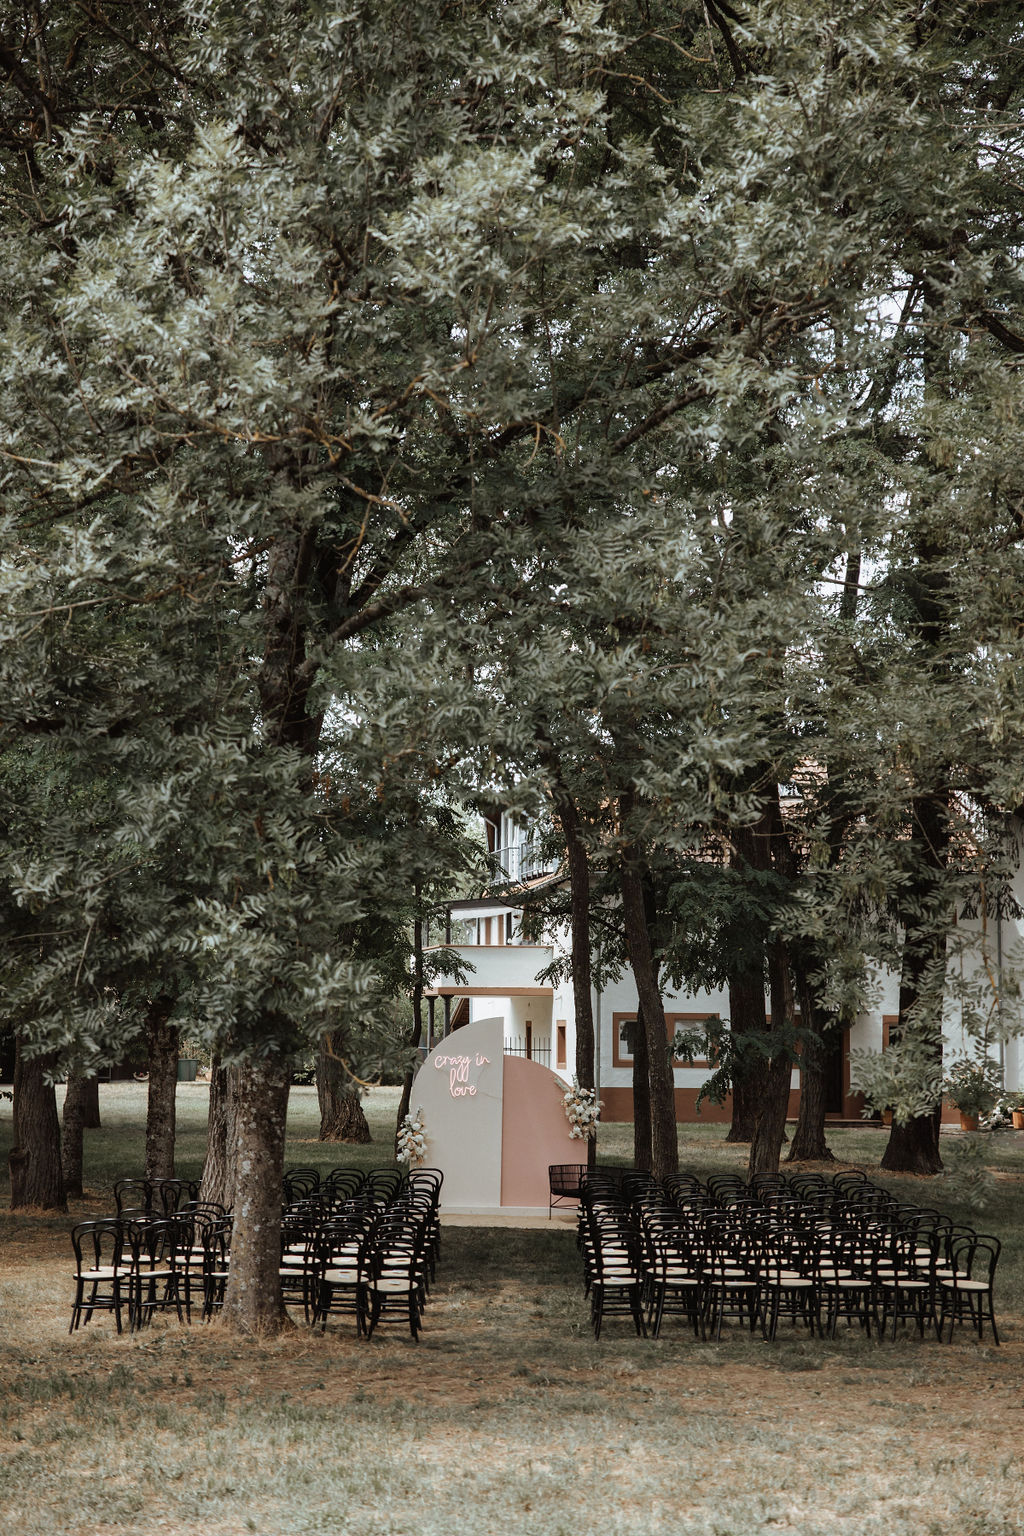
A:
(506, 978)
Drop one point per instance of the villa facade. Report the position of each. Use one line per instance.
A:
(506, 978)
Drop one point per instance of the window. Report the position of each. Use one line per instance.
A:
(622, 1056)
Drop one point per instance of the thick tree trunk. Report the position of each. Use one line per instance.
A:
(162, 1061)
(91, 1103)
(809, 1144)
(345, 1121)
(643, 1156)
(341, 1114)
(218, 1183)
(746, 1013)
(914, 1146)
(35, 1161)
(770, 1129)
(252, 1304)
(72, 1141)
(664, 1146)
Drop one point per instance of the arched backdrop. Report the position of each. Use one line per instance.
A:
(493, 1122)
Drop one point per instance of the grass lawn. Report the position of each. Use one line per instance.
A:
(507, 1416)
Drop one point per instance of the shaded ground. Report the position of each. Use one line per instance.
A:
(506, 1416)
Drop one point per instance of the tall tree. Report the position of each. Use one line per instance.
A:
(323, 337)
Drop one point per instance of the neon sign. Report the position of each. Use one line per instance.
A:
(459, 1085)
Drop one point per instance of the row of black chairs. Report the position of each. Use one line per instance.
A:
(364, 1252)
(137, 1263)
(807, 1248)
(350, 1241)
(157, 1197)
(338, 1184)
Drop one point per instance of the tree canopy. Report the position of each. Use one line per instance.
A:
(378, 380)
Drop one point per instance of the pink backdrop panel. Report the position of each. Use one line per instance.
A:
(534, 1132)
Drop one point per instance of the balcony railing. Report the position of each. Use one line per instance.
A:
(522, 861)
(521, 1047)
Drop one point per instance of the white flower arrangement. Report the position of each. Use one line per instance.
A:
(411, 1142)
(582, 1110)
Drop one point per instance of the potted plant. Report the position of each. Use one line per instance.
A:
(973, 1087)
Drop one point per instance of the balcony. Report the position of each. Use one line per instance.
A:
(498, 970)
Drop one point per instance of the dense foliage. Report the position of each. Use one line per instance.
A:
(387, 389)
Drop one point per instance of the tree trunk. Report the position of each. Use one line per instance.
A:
(252, 1304)
(35, 1160)
(91, 1103)
(341, 1114)
(162, 1062)
(664, 1145)
(914, 1146)
(770, 1129)
(642, 1150)
(750, 850)
(578, 864)
(579, 924)
(72, 1139)
(416, 1033)
(746, 1013)
(218, 1183)
(809, 1144)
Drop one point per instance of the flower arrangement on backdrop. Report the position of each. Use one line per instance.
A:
(411, 1141)
(582, 1110)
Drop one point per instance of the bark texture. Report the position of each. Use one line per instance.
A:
(773, 1099)
(809, 1144)
(35, 1158)
(72, 1141)
(91, 1103)
(162, 1063)
(913, 1147)
(341, 1113)
(642, 1150)
(746, 1013)
(664, 1146)
(750, 853)
(252, 1304)
(416, 1032)
(218, 1182)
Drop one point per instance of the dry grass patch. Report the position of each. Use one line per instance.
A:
(508, 1417)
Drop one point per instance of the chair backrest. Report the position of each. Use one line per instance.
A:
(344, 1180)
(975, 1256)
(723, 1187)
(168, 1194)
(134, 1193)
(300, 1182)
(566, 1179)
(204, 1207)
(383, 1184)
(216, 1241)
(98, 1243)
(419, 1175)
